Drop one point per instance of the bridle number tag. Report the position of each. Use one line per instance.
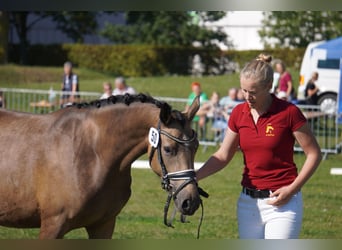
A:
(153, 137)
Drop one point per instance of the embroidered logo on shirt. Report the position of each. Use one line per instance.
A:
(269, 130)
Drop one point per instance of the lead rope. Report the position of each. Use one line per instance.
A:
(166, 210)
(201, 220)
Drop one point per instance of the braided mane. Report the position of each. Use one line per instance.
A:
(166, 109)
(125, 99)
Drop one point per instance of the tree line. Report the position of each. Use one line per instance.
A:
(280, 29)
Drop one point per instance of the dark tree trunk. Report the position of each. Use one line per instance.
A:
(19, 19)
(4, 26)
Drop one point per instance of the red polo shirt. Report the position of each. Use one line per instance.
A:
(268, 145)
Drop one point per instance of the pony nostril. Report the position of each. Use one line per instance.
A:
(186, 205)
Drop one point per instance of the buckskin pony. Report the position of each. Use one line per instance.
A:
(72, 168)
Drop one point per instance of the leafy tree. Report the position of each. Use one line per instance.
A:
(166, 28)
(74, 24)
(299, 28)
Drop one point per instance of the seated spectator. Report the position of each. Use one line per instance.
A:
(216, 113)
(311, 90)
(122, 88)
(230, 101)
(199, 119)
(107, 90)
(240, 97)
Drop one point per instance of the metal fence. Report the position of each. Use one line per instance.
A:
(323, 125)
(45, 101)
(325, 128)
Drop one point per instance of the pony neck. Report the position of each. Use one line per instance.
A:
(125, 130)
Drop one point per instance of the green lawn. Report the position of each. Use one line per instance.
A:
(12, 76)
(142, 217)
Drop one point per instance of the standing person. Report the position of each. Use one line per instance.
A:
(311, 90)
(107, 90)
(70, 85)
(265, 127)
(285, 81)
(199, 119)
(122, 88)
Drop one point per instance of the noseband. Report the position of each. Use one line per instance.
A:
(187, 175)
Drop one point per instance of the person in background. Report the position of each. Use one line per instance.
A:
(70, 85)
(311, 90)
(265, 129)
(215, 112)
(285, 81)
(282, 95)
(239, 96)
(2, 100)
(230, 101)
(200, 119)
(107, 90)
(122, 88)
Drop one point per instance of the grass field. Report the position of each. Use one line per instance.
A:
(13, 76)
(142, 217)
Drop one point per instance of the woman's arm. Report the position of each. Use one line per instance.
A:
(312, 151)
(289, 87)
(313, 91)
(221, 157)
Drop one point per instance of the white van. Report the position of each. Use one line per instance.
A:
(328, 82)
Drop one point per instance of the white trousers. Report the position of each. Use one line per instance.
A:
(258, 220)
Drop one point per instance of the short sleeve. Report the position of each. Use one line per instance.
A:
(311, 86)
(233, 118)
(297, 118)
(74, 79)
(191, 97)
(288, 77)
(131, 90)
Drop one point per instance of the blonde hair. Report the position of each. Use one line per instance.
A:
(259, 69)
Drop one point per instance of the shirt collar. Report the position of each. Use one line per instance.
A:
(272, 108)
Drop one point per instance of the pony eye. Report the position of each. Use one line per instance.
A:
(167, 150)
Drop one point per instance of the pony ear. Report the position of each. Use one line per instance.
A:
(191, 112)
(165, 113)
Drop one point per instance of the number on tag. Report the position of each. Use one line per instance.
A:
(153, 137)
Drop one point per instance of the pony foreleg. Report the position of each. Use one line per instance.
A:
(51, 228)
(102, 230)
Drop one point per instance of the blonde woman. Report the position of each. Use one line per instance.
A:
(265, 128)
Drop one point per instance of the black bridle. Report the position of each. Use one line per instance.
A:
(188, 175)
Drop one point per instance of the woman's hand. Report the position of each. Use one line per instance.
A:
(281, 196)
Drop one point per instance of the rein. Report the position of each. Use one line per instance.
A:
(187, 175)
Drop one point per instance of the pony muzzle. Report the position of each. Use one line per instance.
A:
(185, 191)
(187, 201)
